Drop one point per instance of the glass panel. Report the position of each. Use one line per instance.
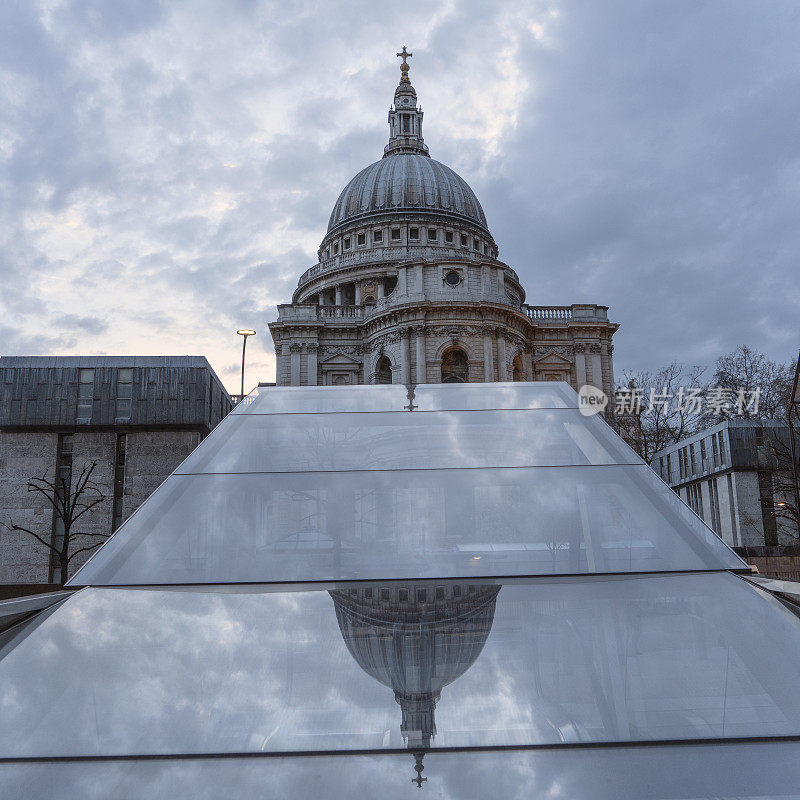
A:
(540, 661)
(297, 442)
(747, 772)
(425, 397)
(757, 771)
(407, 523)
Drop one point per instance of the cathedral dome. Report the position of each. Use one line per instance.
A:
(403, 182)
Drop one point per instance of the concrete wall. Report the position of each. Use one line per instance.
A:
(151, 456)
(22, 456)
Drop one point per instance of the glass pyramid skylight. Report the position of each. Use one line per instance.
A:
(385, 482)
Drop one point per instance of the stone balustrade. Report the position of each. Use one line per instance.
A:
(573, 313)
(379, 255)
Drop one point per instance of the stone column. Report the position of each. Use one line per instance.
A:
(402, 281)
(405, 365)
(488, 367)
(580, 363)
(501, 282)
(358, 293)
(338, 294)
(380, 289)
(282, 356)
(502, 366)
(486, 280)
(311, 364)
(422, 366)
(527, 357)
(597, 366)
(610, 376)
(294, 364)
(321, 299)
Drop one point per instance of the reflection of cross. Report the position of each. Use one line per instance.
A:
(418, 767)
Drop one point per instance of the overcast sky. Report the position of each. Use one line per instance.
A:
(167, 169)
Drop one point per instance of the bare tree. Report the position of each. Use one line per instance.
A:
(71, 501)
(785, 507)
(655, 410)
(748, 371)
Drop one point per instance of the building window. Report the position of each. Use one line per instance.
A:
(713, 499)
(119, 480)
(448, 237)
(765, 492)
(85, 394)
(455, 366)
(413, 233)
(452, 278)
(432, 235)
(336, 248)
(124, 394)
(406, 123)
(395, 234)
(440, 592)
(362, 239)
(476, 245)
(346, 243)
(66, 444)
(668, 477)
(703, 464)
(464, 240)
(692, 458)
(485, 248)
(377, 236)
(402, 595)
(383, 370)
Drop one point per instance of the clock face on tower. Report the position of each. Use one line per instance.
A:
(406, 101)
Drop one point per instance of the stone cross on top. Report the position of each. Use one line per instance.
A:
(404, 67)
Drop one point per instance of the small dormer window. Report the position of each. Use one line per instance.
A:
(413, 233)
(377, 236)
(448, 237)
(362, 239)
(346, 242)
(464, 240)
(395, 234)
(432, 235)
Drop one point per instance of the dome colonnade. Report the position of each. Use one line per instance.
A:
(409, 287)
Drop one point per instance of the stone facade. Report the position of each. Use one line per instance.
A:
(409, 288)
(138, 420)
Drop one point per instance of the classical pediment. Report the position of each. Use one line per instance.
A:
(552, 359)
(340, 360)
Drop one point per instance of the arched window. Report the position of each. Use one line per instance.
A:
(455, 366)
(383, 370)
(518, 368)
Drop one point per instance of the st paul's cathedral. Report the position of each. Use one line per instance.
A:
(409, 287)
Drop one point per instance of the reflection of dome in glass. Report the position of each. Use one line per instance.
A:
(416, 643)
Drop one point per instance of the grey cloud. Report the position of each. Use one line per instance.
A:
(180, 161)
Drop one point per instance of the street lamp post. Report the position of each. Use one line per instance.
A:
(244, 333)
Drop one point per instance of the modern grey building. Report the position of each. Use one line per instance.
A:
(726, 474)
(137, 417)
